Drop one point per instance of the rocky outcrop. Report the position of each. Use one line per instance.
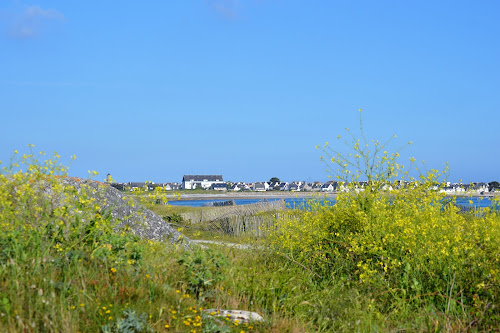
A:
(142, 221)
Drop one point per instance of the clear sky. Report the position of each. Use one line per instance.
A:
(154, 90)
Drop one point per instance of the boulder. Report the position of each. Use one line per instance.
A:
(142, 221)
(239, 315)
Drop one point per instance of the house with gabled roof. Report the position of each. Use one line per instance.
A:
(259, 187)
(239, 187)
(298, 186)
(235, 187)
(153, 186)
(118, 186)
(316, 186)
(219, 187)
(171, 186)
(330, 186)
(136, 186)
(307, 186)
(480, 188)
(284, 186)
(190, 182)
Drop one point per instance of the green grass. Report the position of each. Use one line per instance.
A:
(173, 209)
(65, 267)
(202, 231)
(58, 292)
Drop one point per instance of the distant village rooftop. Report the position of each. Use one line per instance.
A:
(202, 178)
(190, 182)
(216, 182)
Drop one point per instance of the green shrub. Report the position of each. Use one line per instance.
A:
(202, 270)
(173, 218)
(131, 322)
(396, 239)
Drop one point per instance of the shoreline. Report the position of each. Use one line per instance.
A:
(255, 195)
(264, 195)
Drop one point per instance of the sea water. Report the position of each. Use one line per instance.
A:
(478, 202)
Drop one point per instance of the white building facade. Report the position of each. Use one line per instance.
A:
(190, 182)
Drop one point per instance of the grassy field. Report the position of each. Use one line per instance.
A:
(371, 262)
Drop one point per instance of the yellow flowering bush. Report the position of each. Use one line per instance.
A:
(51, 225)
(396, 236)
(66, 265)
(41, 210)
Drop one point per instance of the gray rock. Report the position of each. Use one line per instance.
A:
(142, 221)
(240, 315)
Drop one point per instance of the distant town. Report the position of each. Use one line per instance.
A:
(217, 183)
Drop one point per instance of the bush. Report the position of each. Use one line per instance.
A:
(65, 265)
(397, 239)
(202, 270)
(173, 218)
(130, 323)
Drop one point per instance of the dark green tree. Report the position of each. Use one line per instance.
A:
(493, 186)
(274, 180)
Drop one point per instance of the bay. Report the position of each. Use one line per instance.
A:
(477, 202)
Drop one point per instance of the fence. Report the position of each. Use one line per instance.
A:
(239, 225)
(473, 210)
(219, 213)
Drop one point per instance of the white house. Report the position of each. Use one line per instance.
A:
(259, 187)
(137, 186)
(284, 186)
(239, 187)
(480, 188)
(329, 187)
(190, 182)
(235, 188)
(219, 187)
(298, 186)
(457, 188)
(171, 186)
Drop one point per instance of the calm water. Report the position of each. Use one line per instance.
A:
(293, 202)
(300, 202)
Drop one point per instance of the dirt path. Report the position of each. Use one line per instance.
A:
(201, 242)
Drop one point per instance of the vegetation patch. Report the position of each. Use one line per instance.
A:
(390, 256)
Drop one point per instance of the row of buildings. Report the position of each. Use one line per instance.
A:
(216, 182)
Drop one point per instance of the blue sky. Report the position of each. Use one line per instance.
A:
(247, 89)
